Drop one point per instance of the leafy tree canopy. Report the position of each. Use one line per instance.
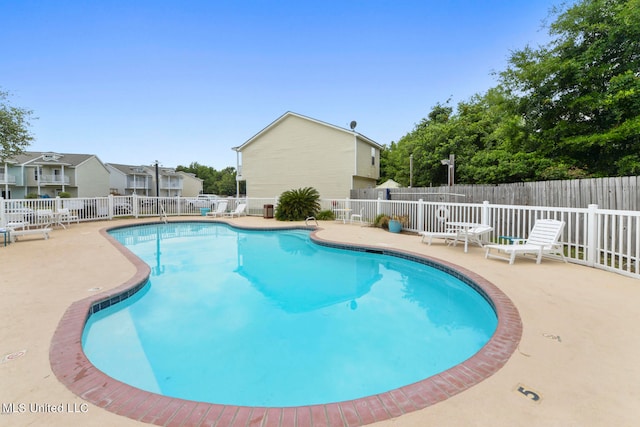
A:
(580, 95)
(569, 109)
(14, 133)
(214, 182)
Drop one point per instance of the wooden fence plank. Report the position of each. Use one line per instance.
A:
(618, 193)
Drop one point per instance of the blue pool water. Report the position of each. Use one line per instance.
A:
(272, 319)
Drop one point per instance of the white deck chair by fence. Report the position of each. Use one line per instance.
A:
(44, 218)
(353, 217)
(473, 234)
(542, 241)
(448, 236)
(238, 211)
(17, 221)
(221, 208)
(65, 215)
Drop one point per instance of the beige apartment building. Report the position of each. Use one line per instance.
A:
(296, 151)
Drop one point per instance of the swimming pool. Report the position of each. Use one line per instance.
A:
(269, 318)
(72, 368)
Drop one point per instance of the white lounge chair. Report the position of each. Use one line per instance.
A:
(472, 233)
(542, 241)
(238, 211)
(17, 225)
(27, 232)
(16, 221)
(221, 208)
(449, 236)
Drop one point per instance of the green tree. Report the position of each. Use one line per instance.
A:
(227, 182)
(580, 95)
(427, 143)
(214, 182)
(569, 109)
(14, 123)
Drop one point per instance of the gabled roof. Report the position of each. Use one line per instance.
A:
(292, 114)
(50, 158)
(190, 175)
(129, 169)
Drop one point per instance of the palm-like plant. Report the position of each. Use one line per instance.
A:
(298, 205)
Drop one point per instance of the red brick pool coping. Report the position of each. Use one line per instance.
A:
(75, 371)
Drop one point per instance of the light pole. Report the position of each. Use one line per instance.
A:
(451, 164)
(238, 171)
(157, 190)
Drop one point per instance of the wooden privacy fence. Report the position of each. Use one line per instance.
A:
(621, 193)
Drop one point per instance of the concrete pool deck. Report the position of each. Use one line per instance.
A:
(579, 351)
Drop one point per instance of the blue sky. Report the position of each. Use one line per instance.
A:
(185, 81)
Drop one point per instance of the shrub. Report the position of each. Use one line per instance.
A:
(382, 221)
(64, 195)
(31, 196)
(325, 215)
(298, 205)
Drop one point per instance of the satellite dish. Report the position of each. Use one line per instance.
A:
(353, 125)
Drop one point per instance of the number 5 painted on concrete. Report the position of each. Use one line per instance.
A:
(530, 394)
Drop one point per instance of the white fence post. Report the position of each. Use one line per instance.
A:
(3, 216)
(485, 218)
(420, 225)
(378, 207)
(110, 206)
(134, 205)
(592, 234)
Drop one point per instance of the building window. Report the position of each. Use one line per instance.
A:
(373, 156)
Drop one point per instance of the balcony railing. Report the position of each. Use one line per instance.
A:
(54, 179)
(7, 179)
(171, 186)
(139, 186)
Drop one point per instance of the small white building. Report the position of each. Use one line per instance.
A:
(141, 180)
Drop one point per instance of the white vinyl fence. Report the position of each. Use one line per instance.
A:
(601, 238)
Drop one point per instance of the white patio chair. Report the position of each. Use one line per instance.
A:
(542, 241)
(65, 215)
(238, 211)
(44, 218)
(221, 208)
(357, 216)
(475, 234)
